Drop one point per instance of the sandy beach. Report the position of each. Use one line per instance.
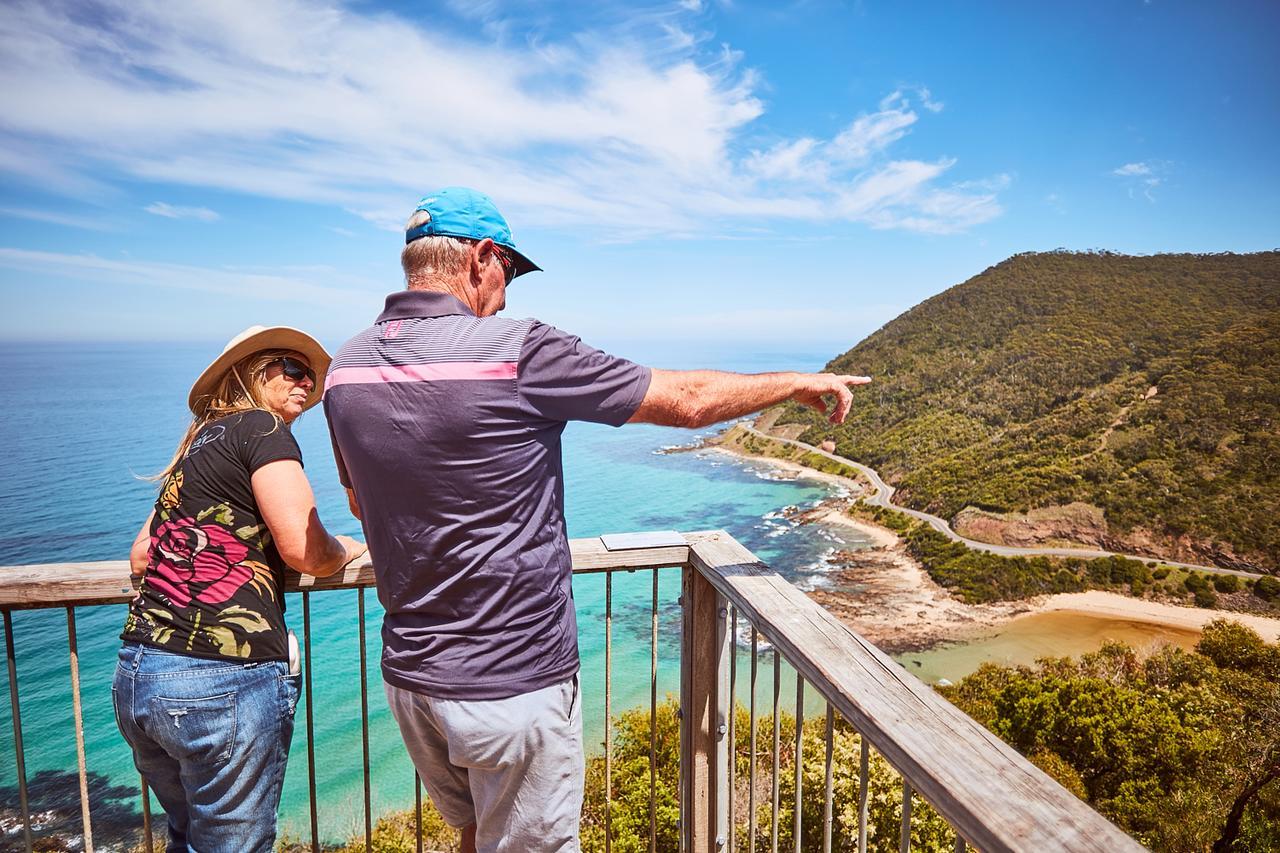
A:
(854, 487)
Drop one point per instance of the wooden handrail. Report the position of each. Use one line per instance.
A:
(109, 582)
(993, 796)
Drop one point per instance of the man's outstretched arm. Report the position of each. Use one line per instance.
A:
(699, 398)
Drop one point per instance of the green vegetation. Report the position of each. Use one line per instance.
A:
(1181, 750)
(979, 576)
(1029, 386)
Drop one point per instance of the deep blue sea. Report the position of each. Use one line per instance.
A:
(79, 422)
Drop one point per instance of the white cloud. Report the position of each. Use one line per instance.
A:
(170, 211)
(88, 223)
(289, 285)
(1143, 177)
(362, 110)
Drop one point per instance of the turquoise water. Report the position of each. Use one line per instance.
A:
(80, 420)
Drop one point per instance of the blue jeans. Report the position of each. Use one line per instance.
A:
(211, 737)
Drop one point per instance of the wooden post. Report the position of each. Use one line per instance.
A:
(704, 722)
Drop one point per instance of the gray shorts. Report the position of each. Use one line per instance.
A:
(513, 766)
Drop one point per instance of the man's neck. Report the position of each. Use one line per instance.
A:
(432, 284)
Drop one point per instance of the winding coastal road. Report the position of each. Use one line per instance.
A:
(883, 497)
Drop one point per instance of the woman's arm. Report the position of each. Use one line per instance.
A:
(141, 547)
(288, 507)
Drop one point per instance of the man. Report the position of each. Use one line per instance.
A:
(446, 423)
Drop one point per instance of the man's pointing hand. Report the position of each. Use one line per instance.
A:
(815, 387)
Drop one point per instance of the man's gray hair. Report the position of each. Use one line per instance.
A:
(432, 257)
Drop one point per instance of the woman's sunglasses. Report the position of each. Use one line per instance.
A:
(294, 369)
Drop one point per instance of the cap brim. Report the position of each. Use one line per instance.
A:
(274, 337)
(523, 264)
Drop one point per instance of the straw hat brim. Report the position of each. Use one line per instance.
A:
(255, 339)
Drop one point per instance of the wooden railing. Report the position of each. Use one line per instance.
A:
(993, 798)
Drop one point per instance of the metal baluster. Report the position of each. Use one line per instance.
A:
(78, 714)
(653, 722)
(777, 743)
(733, 717)
(751, 759)
(828, 790)
(863, 774)
(608, 701)
(417, 809)
(796, 823)
(904, 842)
(146, 817)
(311, 732)
(17, 729)
(364, 724)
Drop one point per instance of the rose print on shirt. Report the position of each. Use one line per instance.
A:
(195, 561)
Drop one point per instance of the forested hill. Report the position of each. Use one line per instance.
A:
(1146, 387)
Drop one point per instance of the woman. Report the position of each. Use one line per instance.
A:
(203, 691)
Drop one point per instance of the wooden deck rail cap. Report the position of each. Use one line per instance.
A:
(993, 796)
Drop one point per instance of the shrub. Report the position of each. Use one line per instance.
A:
(1206, 598)
(1161, 573)
(1267, 588)
(1226, 583)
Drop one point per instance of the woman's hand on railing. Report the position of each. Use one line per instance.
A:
(354, 547)
(140, 551)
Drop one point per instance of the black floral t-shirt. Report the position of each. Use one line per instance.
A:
(214, 585)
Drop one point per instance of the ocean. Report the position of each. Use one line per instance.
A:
(81, 421)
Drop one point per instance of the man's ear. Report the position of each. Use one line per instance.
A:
(479, 255)
(474, 262)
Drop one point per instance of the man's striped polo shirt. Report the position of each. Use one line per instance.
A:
(447, 426)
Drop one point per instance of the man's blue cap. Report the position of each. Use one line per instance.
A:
(471, 215)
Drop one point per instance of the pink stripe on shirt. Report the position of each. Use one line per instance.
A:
(438, 371)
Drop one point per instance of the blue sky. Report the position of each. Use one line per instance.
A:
(762, 176)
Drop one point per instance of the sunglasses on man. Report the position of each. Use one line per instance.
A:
(294, 369)
(508, 265)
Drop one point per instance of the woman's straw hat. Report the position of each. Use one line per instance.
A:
(255, 339)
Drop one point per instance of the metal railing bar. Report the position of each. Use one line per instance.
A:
(828, 788)
(146, 817)
(77, 712)
(653, 720)
(608, 718)
(364, 723)
(417, 809)
(733, 718)
(777, 742)
(311, 733)
(904, 839)
(864, 762)
(21, 765)
(797, 821)
(751, 759)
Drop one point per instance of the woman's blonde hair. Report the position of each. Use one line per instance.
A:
(239, 390)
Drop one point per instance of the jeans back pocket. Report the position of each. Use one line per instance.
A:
(201, 730)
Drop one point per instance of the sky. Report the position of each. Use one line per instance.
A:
(759, 176)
